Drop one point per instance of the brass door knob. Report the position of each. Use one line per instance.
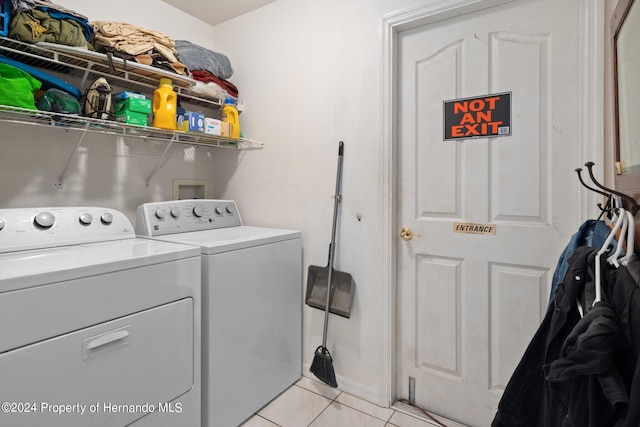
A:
(407, 234)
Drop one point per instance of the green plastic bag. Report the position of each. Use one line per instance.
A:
(58, 101)
(17, 87)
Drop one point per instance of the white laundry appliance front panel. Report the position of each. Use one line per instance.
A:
(96, 318)
(251, 303)
(109, 374)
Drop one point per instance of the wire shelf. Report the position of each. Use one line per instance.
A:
(70, 122)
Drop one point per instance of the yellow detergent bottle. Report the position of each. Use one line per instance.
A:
(230, 115)
(165, 105)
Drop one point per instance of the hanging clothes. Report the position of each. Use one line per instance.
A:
(526, 400)
(582, 372)
(585, 381)
(592, 233)
(624, 297)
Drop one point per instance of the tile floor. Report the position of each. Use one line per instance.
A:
(310, 403)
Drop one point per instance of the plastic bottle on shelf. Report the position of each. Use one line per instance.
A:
(230, 115)
(165, 105)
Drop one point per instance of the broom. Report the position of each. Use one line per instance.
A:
(322, 366)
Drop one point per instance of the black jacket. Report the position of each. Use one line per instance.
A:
(624, 297)
(581, 371)
(526, 400)
(585, 385)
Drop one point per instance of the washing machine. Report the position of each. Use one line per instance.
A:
(99, 328)
(251, 303)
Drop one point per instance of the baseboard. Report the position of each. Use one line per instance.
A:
(362, 391)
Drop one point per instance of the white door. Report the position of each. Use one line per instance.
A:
(469, 304)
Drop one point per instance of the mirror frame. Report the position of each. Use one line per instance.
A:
(627, 183)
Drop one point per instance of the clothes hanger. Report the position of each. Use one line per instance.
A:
(630, 240)
(598, 276)
(614, 258)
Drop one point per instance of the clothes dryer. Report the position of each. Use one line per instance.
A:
(99, 328)
(251, 303)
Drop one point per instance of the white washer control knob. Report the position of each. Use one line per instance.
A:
(198, 211)
(86, 218)
(106, 218)
(2, 223)
(44, 220)
(229, 210)
(219, 211)
(160, 214)
(175, 212)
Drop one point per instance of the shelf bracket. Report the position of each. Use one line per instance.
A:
(66, 165)
(161, 160)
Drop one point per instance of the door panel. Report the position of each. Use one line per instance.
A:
(521, 65)
(514, 289)
(469, 304)
(434, 78)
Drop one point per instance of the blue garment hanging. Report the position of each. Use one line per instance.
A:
(592, 233)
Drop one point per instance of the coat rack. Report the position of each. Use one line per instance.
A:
(629, 203)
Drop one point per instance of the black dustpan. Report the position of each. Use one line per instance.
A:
(342, 290)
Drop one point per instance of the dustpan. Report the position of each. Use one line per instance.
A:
(341, 294)
(342, 286)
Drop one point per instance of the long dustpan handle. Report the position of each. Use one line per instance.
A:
(332, 245)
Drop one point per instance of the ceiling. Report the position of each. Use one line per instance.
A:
(216, 11)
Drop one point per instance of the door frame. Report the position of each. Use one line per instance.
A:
(591, 134)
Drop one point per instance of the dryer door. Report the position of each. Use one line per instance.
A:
(106, 375)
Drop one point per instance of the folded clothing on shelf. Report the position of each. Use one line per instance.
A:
(43, 21)
(200, 58)
(207, 77)
(149, 47)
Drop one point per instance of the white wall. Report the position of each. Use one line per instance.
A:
(310, 75)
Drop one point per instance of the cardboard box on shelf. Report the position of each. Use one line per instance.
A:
(132, 117)
(126, 94)
(196, 121)
(226, 129)
(136, 105)
(212, 126)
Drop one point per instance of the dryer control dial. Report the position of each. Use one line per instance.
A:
(175, 212)
(160, 214)
(198, 211)
(2, 223)
(44, 220)
(106, 218)
(85, 218)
